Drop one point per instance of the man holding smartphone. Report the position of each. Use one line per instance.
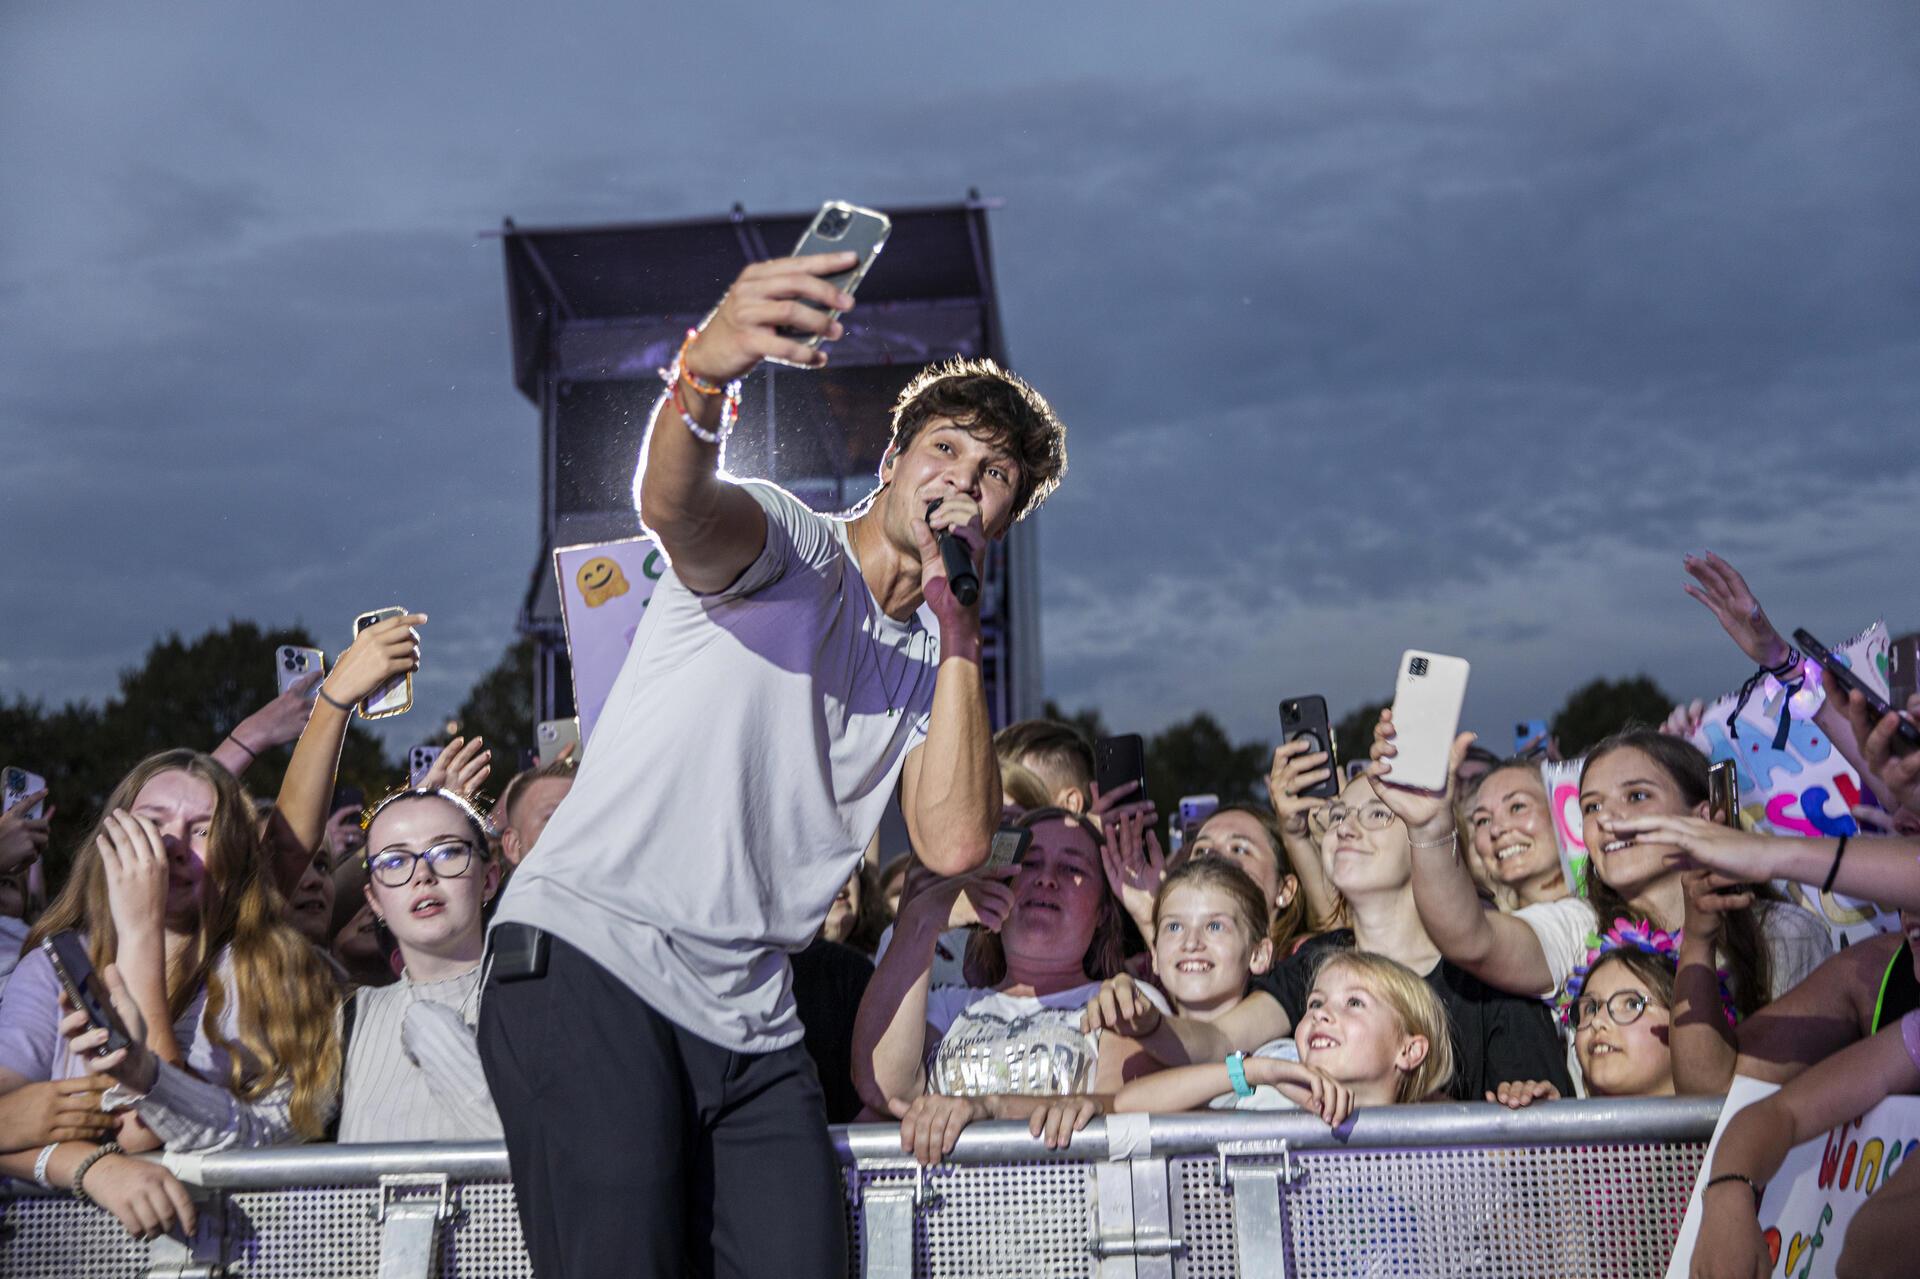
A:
(638, 1027)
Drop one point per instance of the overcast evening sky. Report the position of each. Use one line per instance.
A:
(1375, 325)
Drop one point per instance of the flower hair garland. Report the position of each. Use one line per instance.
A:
(1629, 934)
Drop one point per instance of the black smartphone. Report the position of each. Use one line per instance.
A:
(1907, 739)
(1723, 793)
(1903, 657)
(1119, 760)
(1009, 847)
(1306, 717)
(74, 967)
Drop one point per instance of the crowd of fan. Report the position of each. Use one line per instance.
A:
(310, 969)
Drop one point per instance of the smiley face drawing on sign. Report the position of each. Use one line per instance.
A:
(600, 580)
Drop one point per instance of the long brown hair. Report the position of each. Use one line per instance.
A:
(986, 959)
(285, 995)
(1749, 960)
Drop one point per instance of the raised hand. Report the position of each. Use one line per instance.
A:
(281, 720)
(23, 840)
(464, 766)
(1719, 586)
(1898, 773)
(1297, 767)
(1120, 1005)
(379, 654)
(930, 899)
(1711, 896)
(1134, 864)
(134, 857)
(1684, 720)
(745, 328)
(1422, 811)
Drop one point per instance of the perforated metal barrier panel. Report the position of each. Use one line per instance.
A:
(1209, 1197)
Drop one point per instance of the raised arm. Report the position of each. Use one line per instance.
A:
(711, 530)
(890, 1032)
(1296, 767)
(950, 788)
(1495, 947)
(278, 722)
(378, 654)
(1877, 870)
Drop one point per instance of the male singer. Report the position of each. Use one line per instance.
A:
(638, 1027)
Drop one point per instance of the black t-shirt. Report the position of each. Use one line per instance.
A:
(828, 981)
(1497, 1038)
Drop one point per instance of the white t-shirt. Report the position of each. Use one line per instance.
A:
(1796, 940)
(1029, 1045)
(743, 760)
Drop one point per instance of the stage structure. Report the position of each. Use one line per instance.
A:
(596, 311)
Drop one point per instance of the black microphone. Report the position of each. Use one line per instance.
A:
(961, 579)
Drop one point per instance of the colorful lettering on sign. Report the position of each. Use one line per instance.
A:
(1830, 1158)
(1566, 816)
(1808, 1245)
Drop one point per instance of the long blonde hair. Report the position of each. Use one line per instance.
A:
(285, 994)
(1419, 1010)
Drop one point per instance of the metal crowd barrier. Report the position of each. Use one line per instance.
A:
(1574, 1188)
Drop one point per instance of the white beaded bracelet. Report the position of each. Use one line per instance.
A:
(40, 1164)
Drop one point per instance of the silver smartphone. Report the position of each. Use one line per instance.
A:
(291, 664)
(551, 736)
(420, 762)
(396, 695)
(838, 228)
(15, 785)
(1428, 694)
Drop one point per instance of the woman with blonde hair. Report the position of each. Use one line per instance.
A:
(231, 1011)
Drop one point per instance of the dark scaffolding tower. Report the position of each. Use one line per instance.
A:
(596, 311)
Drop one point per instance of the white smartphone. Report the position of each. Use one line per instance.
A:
(18, 783)
(420, 762)
(839, 227)
(291, 664)
(1427, 696)
(396, 695)
(551, 736)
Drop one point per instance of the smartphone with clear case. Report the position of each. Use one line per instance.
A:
(420, 762)
(396, 695)
(292, 663)
(837, 228)
(18, 784)
(551, 736)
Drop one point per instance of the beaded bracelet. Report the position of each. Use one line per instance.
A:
(1752, 1185)
(80, 1173)
(677, 375)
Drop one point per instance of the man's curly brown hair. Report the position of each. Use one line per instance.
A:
(993, 405)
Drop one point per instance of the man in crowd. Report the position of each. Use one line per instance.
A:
(638, 1028)
(527, 804)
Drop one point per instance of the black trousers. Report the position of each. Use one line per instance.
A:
(639, 1148)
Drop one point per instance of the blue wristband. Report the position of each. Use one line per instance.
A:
(1237, 1074)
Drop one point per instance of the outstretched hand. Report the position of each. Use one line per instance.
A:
(1719, 586)
(1895, 763)
(464, 766)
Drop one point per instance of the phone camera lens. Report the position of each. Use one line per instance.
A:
(834, 223)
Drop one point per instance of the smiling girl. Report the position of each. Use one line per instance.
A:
(1767, 945)
(1373, 1034)
(1508, 821)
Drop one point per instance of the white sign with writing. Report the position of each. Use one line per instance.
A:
(1811, 1200)
(604, 590)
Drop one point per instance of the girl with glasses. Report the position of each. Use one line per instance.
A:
(412, 1066)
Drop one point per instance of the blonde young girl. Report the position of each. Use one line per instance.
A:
(1373, 1034)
